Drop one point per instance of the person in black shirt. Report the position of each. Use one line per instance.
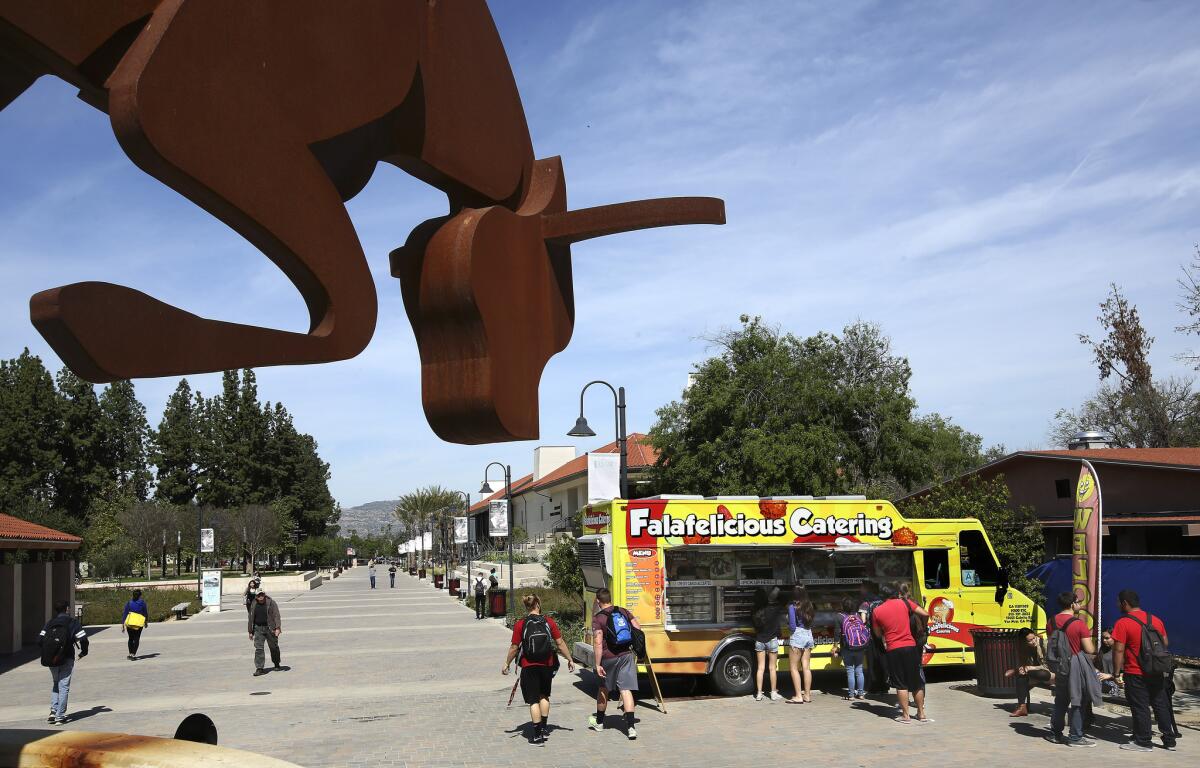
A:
(264, 626)
(62, 661)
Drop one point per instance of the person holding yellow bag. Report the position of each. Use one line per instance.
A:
(134, 620)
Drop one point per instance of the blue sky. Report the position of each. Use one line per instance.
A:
(971, 176)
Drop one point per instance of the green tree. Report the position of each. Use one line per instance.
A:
(177, 446)
(144, 527)
(775, 414)
(86, 473)
(1014, 531)
(562, 567)
(427, 509)
(30, 424)
(127, 439)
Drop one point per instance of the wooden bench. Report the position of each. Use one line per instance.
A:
(180, 610)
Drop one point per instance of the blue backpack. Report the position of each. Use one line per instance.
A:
(618, 632)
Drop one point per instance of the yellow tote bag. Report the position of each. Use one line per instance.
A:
(135, 621)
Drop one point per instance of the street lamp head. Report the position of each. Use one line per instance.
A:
(485, 488)
(581, 428)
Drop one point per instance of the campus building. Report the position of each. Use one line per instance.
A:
(1150, 497)
(37, 569)
(546, 500)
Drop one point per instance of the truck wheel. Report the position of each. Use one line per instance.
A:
(733, 674)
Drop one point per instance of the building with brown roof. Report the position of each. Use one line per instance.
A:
(546, 500)
(37, 569)
(1150, 497)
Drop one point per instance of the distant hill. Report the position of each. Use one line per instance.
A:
(369, 519)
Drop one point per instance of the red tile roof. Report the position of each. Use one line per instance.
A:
(1173, 457)
(13, 529)
(640, 455)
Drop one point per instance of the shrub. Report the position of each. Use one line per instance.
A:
(562, 567)
(104, 606)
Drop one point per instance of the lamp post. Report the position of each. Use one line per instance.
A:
(199, 554)
(178, 550)
(163, 572)
(487, 489)
(581, 429)
(467, 511)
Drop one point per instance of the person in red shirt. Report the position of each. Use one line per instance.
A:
(1079, 639)
(1143, 692)
(891, 623)
(537, 674)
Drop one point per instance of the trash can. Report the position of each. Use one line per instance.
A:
(437, 580)
(412, 571)
(996, 651)
(420, 573)
(453, 586)
(498, 602)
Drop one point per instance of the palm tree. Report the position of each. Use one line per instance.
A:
(426, 508)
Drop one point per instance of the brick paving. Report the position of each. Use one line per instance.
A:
(407, 677)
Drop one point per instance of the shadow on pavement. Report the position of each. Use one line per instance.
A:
(882, 710)
(146, 656)
(86, 713)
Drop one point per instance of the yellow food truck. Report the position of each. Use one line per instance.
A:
(687, 567)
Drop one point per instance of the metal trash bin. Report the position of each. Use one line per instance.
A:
(996, 651)
(452, 585)
(498, 603)
(437, 580)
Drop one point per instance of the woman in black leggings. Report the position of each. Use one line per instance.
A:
(134, 620)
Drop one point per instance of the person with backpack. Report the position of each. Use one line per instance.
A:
(897, 623)
(1069, 650)
(58, 640)
(392, 576)
(133, 620)
(801, 612)
(493, 582)
(536, 643)
(851, 639)
(481, 590)
(613, 632)
(1143, 665)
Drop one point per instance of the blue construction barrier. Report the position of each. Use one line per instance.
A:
(1168, 587)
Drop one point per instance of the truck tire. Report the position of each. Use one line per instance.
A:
(733, 674)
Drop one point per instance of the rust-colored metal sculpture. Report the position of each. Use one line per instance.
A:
(270, 115)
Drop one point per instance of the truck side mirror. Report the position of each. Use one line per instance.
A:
(1002, 585)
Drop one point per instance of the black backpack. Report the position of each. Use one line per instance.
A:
(536, 641)
(57, 642)
(1058, 650)
(1153, 656)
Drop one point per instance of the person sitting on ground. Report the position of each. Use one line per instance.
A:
(535, 640)
(1032, 671)
(133, 620)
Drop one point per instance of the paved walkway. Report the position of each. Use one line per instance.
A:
(407, 677)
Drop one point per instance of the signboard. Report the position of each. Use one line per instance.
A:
(349, 551)
(1085, 545)
(603, 476)
(460, 530)
(210, 590)
(207, 540)
(427, 542)
(498, 518)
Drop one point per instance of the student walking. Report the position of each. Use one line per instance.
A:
(371, 573)
(1143, 663)
(893, 621)
(800, 645)
(536, 643)
(612, 644)
(392, 576)
(481, 590)
(1031, 653)
(1068, 655)
(264, 626)
(58, 640)
(133, 620)
(852, 639)
(252, 589)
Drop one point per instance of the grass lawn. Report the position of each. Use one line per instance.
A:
(104, 606)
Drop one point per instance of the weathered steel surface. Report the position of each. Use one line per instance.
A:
(269, 116)
(72, 749)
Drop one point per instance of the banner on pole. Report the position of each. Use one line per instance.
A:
(207, 540)
(427, 542)
(460, 530)
(498, 518)
(349, 551)
(603, 476)
(1085, 545)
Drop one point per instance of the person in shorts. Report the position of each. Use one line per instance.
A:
(891, 624)
(537, 675)
(616, 665)
(800, 645)
(764, 616)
